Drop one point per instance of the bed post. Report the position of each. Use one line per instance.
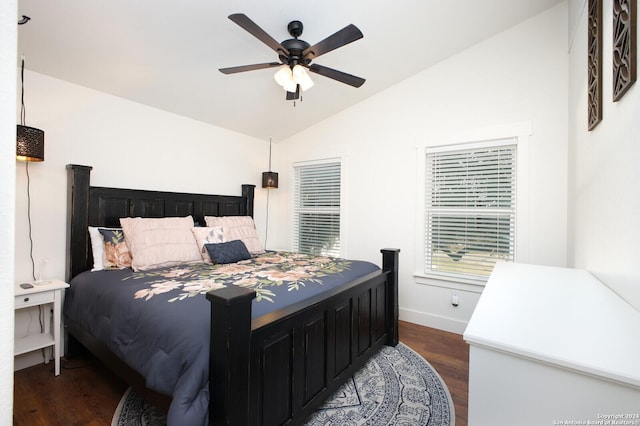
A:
(248, 192)
(390, 260)
(229, 355)
(77, 219)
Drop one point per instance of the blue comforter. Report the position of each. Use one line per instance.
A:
(158, 321)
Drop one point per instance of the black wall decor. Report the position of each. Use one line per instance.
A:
(594, 64)
(624, 46)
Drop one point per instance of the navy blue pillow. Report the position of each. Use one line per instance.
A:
(229, 252)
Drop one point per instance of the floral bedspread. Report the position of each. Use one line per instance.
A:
(272, 275)
(158, 321)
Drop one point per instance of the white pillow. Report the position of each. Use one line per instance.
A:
(238, 228)
(158, 242)
(97, 248)
(207, 235)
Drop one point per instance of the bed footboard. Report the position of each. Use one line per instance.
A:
(281, 367)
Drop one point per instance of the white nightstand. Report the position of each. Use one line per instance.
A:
(45, 293)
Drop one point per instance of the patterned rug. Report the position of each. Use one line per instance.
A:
(396, 386)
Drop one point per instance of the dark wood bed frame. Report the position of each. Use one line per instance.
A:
(276, 369)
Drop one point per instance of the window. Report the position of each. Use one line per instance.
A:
(470, 208)
(316, 208)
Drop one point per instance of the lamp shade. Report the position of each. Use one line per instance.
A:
(301, 76)
(269, 179)
(29, 144)
(284, 78)
(283, 75)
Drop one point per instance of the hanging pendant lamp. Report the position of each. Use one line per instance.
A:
(269, 179)
(29, 140)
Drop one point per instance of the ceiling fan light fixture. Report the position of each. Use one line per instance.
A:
(289, 78)
(295, 56)
(301, 77)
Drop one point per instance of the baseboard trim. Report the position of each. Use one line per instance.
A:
(451, 325)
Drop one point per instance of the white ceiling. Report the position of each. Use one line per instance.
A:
(166, 54)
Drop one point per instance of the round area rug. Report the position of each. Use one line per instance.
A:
(396, 386)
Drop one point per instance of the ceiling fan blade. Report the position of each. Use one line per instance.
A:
(292, 96)
(340, 76)
(253, 28)
(243, 68)
(347, 35)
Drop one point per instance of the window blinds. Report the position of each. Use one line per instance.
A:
(317, 209)
(470, 208)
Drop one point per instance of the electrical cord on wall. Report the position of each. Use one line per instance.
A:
(266, 228)
(33, 264)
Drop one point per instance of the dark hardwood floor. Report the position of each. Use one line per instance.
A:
(85, 393)
(448, 353)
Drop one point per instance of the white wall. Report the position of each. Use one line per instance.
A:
(519, 76)
(129, 145)
(8, 43)
(604, 200)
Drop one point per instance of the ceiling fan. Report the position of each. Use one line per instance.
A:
(295, 56)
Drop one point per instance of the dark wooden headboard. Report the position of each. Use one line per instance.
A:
(99, 206)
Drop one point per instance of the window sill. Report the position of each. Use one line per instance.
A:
(447, 281)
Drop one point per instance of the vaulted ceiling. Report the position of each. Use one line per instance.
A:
(166, 54)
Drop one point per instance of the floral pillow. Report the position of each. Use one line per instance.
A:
(207, 235)
(116, 253)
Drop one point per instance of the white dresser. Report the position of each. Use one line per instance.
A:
(552, 346)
